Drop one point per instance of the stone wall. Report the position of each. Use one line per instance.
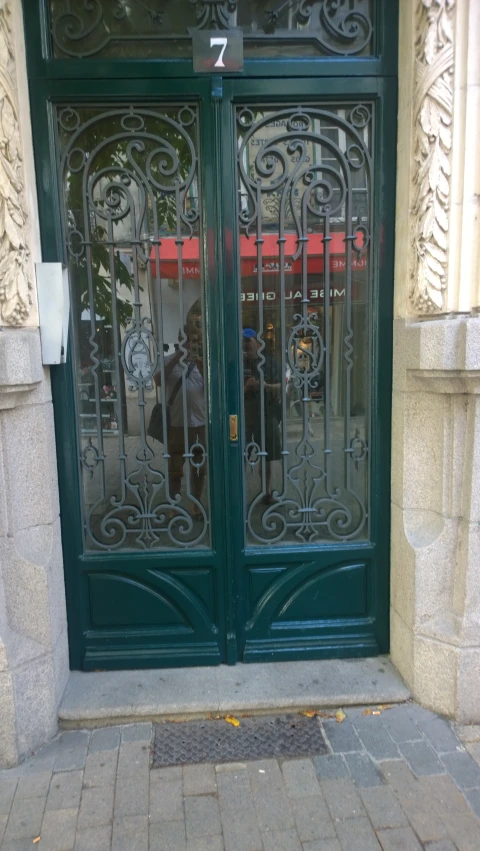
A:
(435, 579)
(33, 634)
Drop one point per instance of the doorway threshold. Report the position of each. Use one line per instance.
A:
(120, 697)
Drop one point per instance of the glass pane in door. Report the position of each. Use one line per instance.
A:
(305, 240)
(131, 223)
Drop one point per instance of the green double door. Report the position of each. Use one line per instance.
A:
(223, 420)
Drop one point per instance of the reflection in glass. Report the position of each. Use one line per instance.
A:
(130, 217)
(162, 28)
(304, 181)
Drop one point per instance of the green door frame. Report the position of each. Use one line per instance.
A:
(80, 80)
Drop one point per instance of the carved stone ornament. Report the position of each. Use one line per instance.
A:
(433, 110)
(15, 274)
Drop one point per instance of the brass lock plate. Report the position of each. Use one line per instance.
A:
(233, 418)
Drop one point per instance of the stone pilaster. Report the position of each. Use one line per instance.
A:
(33, 635)
(435, 600)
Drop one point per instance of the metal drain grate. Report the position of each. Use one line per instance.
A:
(257, 737)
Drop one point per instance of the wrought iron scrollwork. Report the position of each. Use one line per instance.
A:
(316, 164)
(84, 28)
(130, 182)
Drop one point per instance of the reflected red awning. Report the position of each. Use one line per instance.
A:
(168, 256)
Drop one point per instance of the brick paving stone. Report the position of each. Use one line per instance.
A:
(105, 739)
(25, 818)
(473, 749)
(167, 836)
(3, 824)
(421, 758)
(93, 839)
(417, 802)
(131, 798)
(330, 766)
(166, 801)
(100, 768)
(163, 775)
(71, 759)
(464, 831)
(400, 725)
(375, 738)
(133, 759)
(137, 733)
(202, 816)
(342, 737)
(273, 808)
(312, 819)
(281, 840)
(383, 808)
(65, 790)
(205, 843)
(322, 845)
(18, 845)
(58, 829)
(419, 714)
(356, 834)
(444, 794)
(463, 769)
(300, 778)
(343, 800)
(399, 839)
(34, 785)
(473, 798)
(440, 734)
(130, 833)
(442, 845)
(363, 771)
(8, 786)
(96, 807)
(199, 780)
(237, 809)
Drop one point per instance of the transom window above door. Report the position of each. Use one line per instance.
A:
(162, 28)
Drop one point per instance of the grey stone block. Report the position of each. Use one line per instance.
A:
(206, 843)
(199, 780)
(137, 733)
(100, 768)
(34, 785)
(105, 739)
(8, 786)
(400, 725)
(130, 833)
(271, 802)
(237, 810)
(18, 845)
(281, 840)
(399, 839)
(71, 759)
(330, 766)
(421, 758)
(94, 839)
(133, 759)
(473, 798)
(442, 845)
(342, 799)
(363, 771)
(65, 790)
(166, 801)
(375, 738)
(312, 819)
(383, 808)
(69, 739)
(3, 824)
(300, 778)
(322, 845)
(342, 737)
(440, 734)
(163, 775)
(463, 769)
(168, 836)
(356, 834)
(25, 818)
(96, 807)
(131, 798)
(202, 816)
(58, 829)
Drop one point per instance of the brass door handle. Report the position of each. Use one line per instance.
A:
(233, 418)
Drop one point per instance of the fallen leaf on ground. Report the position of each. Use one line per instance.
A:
(384, 706)
(230, 719)
(340, 716)
(325, 714)
(310, 713)
(368, 711)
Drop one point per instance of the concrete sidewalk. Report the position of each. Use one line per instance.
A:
(401, 780)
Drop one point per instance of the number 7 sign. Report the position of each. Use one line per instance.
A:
(217, 51)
